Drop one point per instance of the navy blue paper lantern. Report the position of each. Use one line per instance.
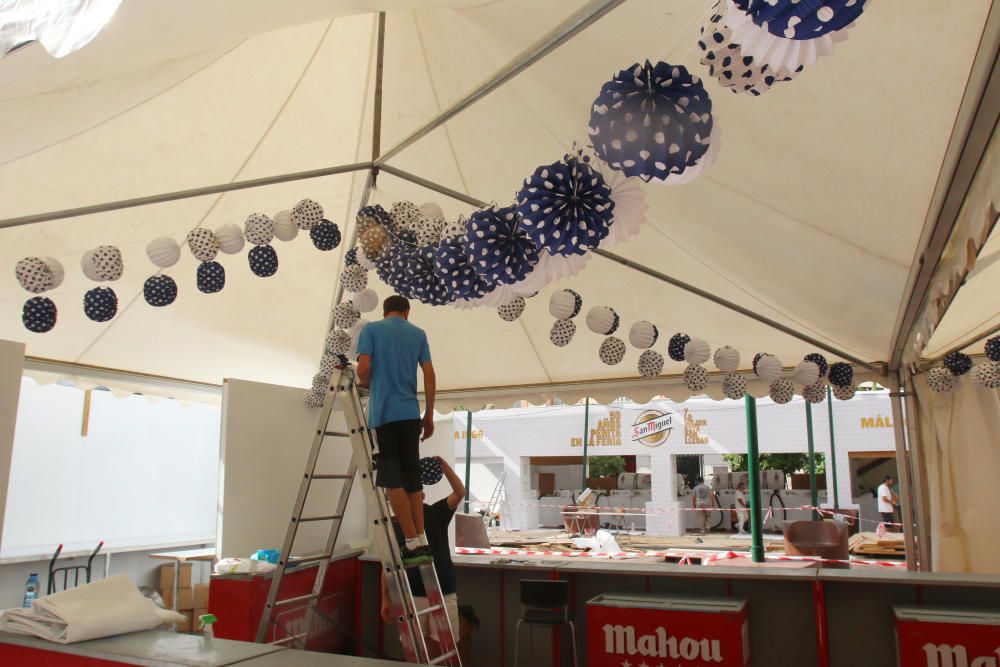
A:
(431, 471)
(325, 236)
(820, 361)
(392, 267)
(211, 277)
(675, 348)
(497, 247)
(263, 261)
(425, 283)
(39, 314)
(993, 348)
(958, 363)
(159, 291)
(841, 374)
(653, 122)
(351, 257)
(802, 19)
(452, 265)
(100, 304)
(566, 207)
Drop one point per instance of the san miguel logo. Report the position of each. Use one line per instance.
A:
(621, 640)
(652, 428)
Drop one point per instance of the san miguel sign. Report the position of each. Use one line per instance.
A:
(652, 427)
(947, 638)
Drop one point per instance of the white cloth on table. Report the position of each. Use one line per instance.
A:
(103, 608)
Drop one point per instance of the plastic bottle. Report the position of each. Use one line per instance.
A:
(31, 590)
(206, 625)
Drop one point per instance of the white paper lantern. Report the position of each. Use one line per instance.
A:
(781, 391)
(562, 332)
(56, 269)
(565, 304)
(512, 310)
(89, 270)
(259, 229)
(163, 252)
(431, 210)
(697, 352)
(734, 386)
(630, 206)
(107, 262)
(727, 359)
(941, 380)
(313, 399)
(814, 393)
(643, 335)
(355, 332)
(203, 244)
(844, 392)
(354, 278)
(769, 368)
(650, 364)
(612, 350)
(806, 373)
(696, 378)
(365, 301)
(602, 320)
(338, 342)
(987, 374)
(230, 238)
(284, 227)
(34, 274)
(344, 315)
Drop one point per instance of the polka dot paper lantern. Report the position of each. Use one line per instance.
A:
(562, 332)
(431, 210)
(56, 269)
(734, 386)
(258, 229)
(307, 214)
(958, 363)
(497, 247)
(675, 348)
(757, 358)
(351, 257)
(652, 121)
(643, 335)
(263, 261)
(344, 315)
(365, 301)
(603, 320)
(230, 238)
(100, 304)
(163, 252)
(431, 471)
(404, 215)
(321, 384)
(612, 350)
(338, 342)
(375, 244)
(313, 399)
(328, 364)
(88, 267)
(566, 207)
(769, 368)
(34, 275)
(993, 348)
(814, 393)
(841, 374)
(696, 378)
(781, 391)
(650, 364)
(820, 362)
(988, 374)
(696, 352)
(159, 291)
(941, 380)
(107, 262)
(203, 244)
(511, 310)
(428, 230)
(844, 392)
(727, 359)
(453, 268)
(39, 314)
(211, 277)
(565, 304)
(453, 229)
(284, 228)
(354, 279)
(325, 236)
(806, 373)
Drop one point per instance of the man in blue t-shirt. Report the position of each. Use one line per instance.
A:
(389, 353)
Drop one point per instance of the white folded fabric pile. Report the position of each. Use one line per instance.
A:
(107, 607)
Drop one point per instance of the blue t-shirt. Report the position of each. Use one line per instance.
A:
(396, 348)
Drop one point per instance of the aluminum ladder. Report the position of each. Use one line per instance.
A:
(498, 499)
(343, 390)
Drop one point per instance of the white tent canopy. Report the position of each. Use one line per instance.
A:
(811, 217)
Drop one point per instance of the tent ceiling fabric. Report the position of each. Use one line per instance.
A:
(811, 215)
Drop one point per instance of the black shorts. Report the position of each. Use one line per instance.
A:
(888, 517)
(397, 464)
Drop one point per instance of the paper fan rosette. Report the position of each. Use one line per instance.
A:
(566, 206)
(497, 247)
(426, 284)
(630, 207)
(452, 265)
(550, 269)
(789, 34)
(652, 121)
(393, 266)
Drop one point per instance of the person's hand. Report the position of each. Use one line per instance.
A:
(386, 613)
(444, 464)
(428, 424)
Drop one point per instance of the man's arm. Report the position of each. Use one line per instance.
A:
(364, 369)
(457, 487)
(430, 390)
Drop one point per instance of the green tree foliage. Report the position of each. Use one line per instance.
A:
(605, 466)
(787, 463)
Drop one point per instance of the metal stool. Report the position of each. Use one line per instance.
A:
(544, 602)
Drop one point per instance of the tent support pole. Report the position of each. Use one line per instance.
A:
(921, 502)
(431, 185)
(813, 489)
(753, 469)
(468, 457)
(832, 463)
(566, 30)
(586, 434)
(903, 470)
(184, 194)
(379, 66)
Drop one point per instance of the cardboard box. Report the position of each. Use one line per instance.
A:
(546, 483)
(185, 625)
(185, 598)
(201, 596)
(183, 577)
(800, 481)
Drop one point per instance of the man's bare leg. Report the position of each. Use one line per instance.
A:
(400, 501)
(416, 503)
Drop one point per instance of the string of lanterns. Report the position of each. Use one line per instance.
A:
(947, 377)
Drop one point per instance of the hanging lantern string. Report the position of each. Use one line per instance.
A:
(686, 32)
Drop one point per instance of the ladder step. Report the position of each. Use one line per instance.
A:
(288, 601)
(324, 476)
(441, 658)
(290, 638)
(294, 560)
(429, 610)
(336, 434)
(328, 517)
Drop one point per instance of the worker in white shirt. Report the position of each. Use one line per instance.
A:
(742, 508)
(887, 501)
(701, 500)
